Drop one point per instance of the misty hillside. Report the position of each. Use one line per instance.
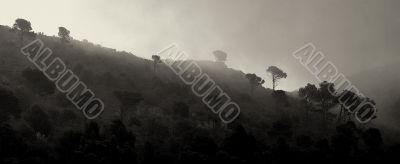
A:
(382, 84)
(151, 116)
(107, 71)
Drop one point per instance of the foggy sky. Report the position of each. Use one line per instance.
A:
(355, 35)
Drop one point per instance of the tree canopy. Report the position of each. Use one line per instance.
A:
(309, 92)
(254, 81)
(276, 74)
(220, 56)
(22, 25)
(63, 33)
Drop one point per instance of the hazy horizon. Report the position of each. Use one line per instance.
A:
(127, 96)
(355, 35)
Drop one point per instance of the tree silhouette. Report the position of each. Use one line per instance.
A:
(369, 100)
(63, 33)
(156, 60)
(276, 74)
(346, 107)
(344, 114)
(309, 93)
(321, 96)
(254, 81)
(220, 56)
(23, 26)
(325, 98)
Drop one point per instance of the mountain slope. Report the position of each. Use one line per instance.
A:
(107, 71)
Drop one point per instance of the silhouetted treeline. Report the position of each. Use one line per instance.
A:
(114, 143)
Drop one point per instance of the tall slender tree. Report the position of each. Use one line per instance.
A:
(276, 75)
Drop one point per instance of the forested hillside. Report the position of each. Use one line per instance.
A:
(151, 116)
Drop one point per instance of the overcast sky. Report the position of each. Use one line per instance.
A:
(354, 34)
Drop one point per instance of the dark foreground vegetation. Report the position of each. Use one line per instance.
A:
(152, 117)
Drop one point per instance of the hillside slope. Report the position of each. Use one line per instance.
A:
(107, 71)
(152, 116)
